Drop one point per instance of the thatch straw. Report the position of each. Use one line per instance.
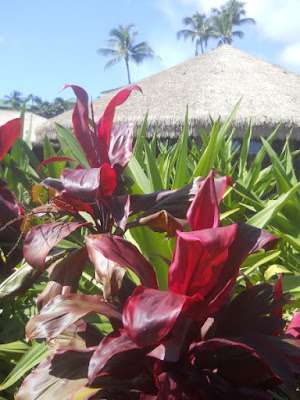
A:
(31, 121)
(210, 84)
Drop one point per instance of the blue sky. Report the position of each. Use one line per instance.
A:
(46, 44)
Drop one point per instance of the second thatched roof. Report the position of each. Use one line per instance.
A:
(210, 85)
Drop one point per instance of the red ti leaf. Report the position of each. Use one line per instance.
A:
(84, 135)
(81, 183)
(112, 344)
(203, 213)
(69, 368)
(64, 277)
(42, 238)
(62, 311)
(125, 254)
(9, 132)
(150, 314)
(51, 160)
(105, 124)
(206, 262)
(294, 327)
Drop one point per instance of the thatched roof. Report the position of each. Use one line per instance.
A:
(31, 121)
(210, 84)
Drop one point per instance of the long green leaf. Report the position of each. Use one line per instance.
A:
(263, 217)
(181, 165)
(32, 357)
(68, 141)
(152, 170)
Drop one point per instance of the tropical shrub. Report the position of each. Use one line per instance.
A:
(200, 338)
(169, 314)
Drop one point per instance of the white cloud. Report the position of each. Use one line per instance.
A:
(276, 19)
(291, 55)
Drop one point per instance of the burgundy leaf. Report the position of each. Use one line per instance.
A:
(277, 294)
(10, 208)
(108, 272)
(119, 207)
(275, 353)
(206, 262)
(237, 362)
(125, 254)
(161, 221)
(105, 124)
(78, 336)
(294, 327)
(108, 180)
(175, 202)
(120, 146)
(9, 132)
(203, 213)
(84, 135)
(42, 238)
(51, 160)
(248, 313)
(66, 203)
(62, 311)
(114, 343)
(59, 376)
(150, 314)
(64, 277)
(81, 183)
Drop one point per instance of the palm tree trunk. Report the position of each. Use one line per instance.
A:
(201, 43)
(127, 67)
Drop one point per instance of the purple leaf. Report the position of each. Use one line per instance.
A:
(42, 238)
(51, 160)
(294, 327)
(9, 132)
(248, 313)
(105, 124)
(203, 213)
(10, 208)
(78, 336)
(116, 342)
(64, 277)
(150, 314)
(125, 254)
(59, 376)
(206, 262)
(108, 272)
(62, 311)
(84, 135)
(119, 207)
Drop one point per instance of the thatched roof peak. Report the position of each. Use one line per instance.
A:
(210, 84)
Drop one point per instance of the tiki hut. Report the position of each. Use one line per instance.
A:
(31, 121)
(210, 85)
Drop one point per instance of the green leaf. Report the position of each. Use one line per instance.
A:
(136, 177)
(181, 165)
(31, 358)
(263, 217)
(244, 152)
(68, 141)
(138, 150)
(256, 164)
(152, 170)
(275, 269)
(13, 350)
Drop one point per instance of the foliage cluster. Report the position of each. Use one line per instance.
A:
(152, 273)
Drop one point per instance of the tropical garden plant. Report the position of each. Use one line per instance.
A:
(142, 266)
(178, 309)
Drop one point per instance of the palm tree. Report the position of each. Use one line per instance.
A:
(223, 20)
(15, 99)
(122, 46)
(200, 30)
